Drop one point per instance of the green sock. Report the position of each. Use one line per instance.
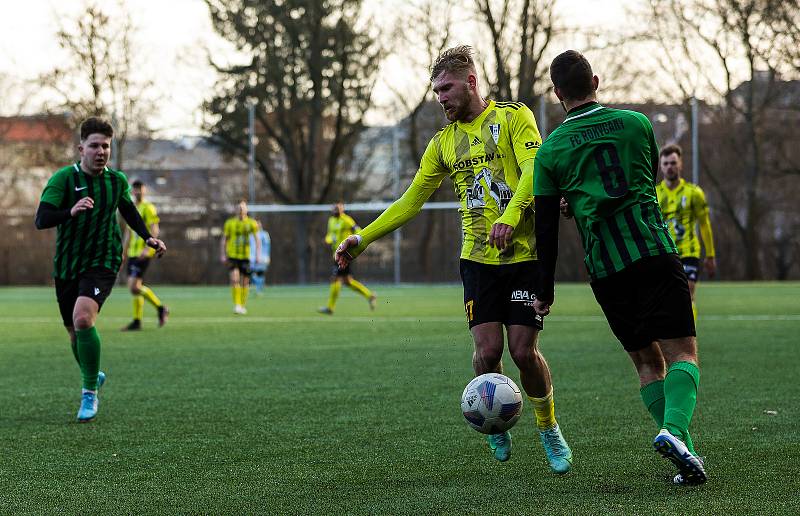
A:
(89, 354)
(653, 398)
(680, 398)
(73, 344)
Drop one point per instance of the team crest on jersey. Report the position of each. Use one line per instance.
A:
(495, 129)
(684, 201)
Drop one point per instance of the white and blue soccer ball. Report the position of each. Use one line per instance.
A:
(491, 403)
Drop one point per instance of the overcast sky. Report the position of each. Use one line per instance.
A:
(171, 36)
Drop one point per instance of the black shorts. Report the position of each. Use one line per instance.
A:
(94, 283)
(500, 293)
(691, 266)
(340, 273)
(137, 267)
(647, 301)
(242, 265)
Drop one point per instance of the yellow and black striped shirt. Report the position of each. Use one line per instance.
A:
(237, 237)
(483, 158)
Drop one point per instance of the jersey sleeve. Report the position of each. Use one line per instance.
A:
(700, 208)
(525, 137)
(150, 215)
(125, 194)
(253, 227)
(54, 190)
(351, 224)
(544, 180)
(227, 229)
(521, 199)
(432, 170)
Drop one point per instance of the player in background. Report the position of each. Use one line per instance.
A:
(604, 162)
(340, 226)
(684, 207)
(82, 200)
(488, 152)
(139, 256)
(259, 263)
(235, 254)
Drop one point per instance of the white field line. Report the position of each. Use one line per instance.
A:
(177, 320)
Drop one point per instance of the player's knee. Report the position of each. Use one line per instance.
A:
(83, 321)
(488, 354)
(525, 357)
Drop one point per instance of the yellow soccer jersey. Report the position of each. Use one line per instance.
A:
(684, 207)
(483, 159)
(136, 244)
(340, 228)
(237, 237)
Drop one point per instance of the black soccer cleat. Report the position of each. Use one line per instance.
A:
(163, 315)
(135, 325)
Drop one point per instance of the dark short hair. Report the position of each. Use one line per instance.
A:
(137, 183)
(572, 74)
(96, 125)
(670, 149)
(457, 59)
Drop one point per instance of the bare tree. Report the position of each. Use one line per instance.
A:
(101, 76)
(310, 68)
(520, 32)
(734, 49)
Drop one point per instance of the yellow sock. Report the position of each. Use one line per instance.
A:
(243, 295)
(334, 294)
(545, 411)
(150, 296)
(694, 311)
(138, 307)
(235, 291)
(360, 288)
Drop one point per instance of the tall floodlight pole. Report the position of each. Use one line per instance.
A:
(695, 142)
(542, 122)
(251, 155)
(396, 193)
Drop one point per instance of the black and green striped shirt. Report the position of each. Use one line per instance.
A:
(93, 237)
(603, 161)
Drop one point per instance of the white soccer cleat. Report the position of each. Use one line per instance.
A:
(691, 470)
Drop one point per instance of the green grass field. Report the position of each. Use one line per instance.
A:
(285, 411)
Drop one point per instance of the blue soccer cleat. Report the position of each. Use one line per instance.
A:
(500, 445)
(88, 410)
(558, 453)
(690, 467)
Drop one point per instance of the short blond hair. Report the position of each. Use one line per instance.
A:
(454, 60)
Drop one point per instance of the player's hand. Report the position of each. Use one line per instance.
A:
(711, 266)
(541, 308)
(158, 245)
(82, 205)
(566, 209)
(342, 255)
(500, 235)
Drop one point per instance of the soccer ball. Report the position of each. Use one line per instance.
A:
(491, 403)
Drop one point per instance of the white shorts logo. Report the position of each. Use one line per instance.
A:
(96, 291)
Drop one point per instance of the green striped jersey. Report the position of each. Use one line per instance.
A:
(92, 238)
(603, 161)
